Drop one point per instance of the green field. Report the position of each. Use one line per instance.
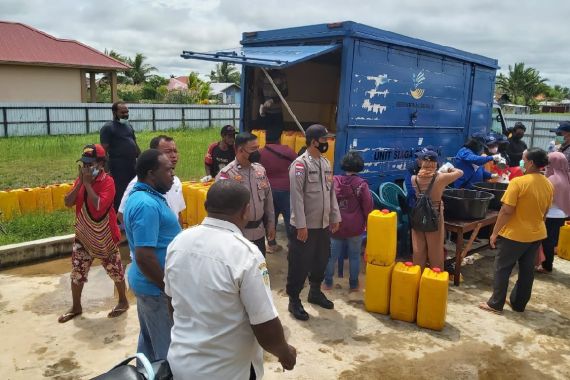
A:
(44, 160)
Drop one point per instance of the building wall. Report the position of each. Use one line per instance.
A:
(22, 83)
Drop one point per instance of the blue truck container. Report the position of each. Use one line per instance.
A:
(381, 93)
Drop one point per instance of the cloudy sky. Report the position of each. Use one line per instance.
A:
(534, 32)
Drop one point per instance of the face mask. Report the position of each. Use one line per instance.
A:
(323, 147)
(493, 150)
(521, 165)
(558, 140)
(95, 172)
(254, 157)
(124, 121)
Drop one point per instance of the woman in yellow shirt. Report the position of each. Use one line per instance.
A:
(520, 225)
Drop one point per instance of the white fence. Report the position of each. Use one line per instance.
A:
(33, 119)
(537, 127)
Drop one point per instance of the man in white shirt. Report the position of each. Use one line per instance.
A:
(174, 196)
(223, 309)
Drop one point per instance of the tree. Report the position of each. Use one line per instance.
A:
(225, 73)
(522, 84)
(121, 77)
(199, 89)
(139, 70)
(557, 93)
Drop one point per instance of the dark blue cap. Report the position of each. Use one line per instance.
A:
(428, 155)
(424, 149)
(563, 126)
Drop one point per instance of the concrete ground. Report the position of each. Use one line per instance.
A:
(344, 343)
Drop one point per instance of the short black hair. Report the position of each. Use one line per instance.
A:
(147, 161)
(227, 197)
(474, 144)
(115, 106)
(156, 140)
(519, 125)
(352, 162)
(273, 134)
(538, 156)
(243, 138)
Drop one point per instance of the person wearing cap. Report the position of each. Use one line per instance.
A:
(516, 145)
(96, 231)
(174, 196)
(428, 246)
(563, 139)
(492, 142)
(220, 153)
(413, 169)
(119, 140)
(245, 169)
(314, 216)
(471, 162)
(276, 159)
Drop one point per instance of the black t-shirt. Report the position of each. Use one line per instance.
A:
(216, 158)
(515, 151)
(121, 140)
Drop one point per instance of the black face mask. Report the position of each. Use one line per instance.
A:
(323, 147)
(254, 157)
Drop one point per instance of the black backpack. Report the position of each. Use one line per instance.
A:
(423, 216)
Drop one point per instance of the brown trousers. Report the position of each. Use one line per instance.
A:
(428, 246)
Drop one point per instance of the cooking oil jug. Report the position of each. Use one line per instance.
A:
(563, 250)
(43, 198)
(432, 300)
(27, 200)
(404, 291)
(381, 241)
(377, 288)
(9, 204)
(58, 193)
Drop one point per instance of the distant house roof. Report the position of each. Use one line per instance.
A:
(177, 84)
(217, 88)
(22, 44)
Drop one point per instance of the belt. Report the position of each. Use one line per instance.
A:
(253, 224)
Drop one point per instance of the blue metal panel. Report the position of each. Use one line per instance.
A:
(276, 57)
(482, 100)
(341, 145)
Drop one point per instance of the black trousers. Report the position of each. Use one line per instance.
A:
(260, 243)
(553, 233)
(122, 174)
(307, 259)
(511, 252)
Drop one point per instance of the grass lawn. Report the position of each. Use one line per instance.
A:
(37, 226)
(44, 160)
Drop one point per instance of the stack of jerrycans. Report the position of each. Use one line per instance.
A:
(380, 255)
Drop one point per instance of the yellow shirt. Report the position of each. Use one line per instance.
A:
(531, 196)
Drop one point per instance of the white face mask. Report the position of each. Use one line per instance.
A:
(95, 172)
(493, 150)
(123, 121)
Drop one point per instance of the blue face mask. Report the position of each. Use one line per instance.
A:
(521, 164)
(558, 140)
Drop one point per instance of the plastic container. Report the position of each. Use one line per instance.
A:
(563, 250)
(329, 154)
(404, 291)
(260, 133)
(300, 142)
(9, 204)
(58, 193)
(43, 198)
(432, 299)
(377, 286)
(27, 200)
(466, 204)
(382, 237)
(201, 210)
(288, 138)
(496, 188)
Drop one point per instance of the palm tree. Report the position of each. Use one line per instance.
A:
(139, 70)
(121, 77)
(522, 84)
(225, 73)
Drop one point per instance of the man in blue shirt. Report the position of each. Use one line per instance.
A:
(150, 226)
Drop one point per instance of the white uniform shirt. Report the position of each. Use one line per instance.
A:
(174, 196)
(219, 285)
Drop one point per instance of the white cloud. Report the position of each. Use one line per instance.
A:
(511, 31)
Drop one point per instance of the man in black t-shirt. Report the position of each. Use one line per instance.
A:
(220, 153)
(118, 139)
(516, 145)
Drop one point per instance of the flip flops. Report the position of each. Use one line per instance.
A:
(68, 316)
(484, 306)
(117, 311)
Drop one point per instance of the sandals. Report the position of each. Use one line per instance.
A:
(68, 316)
(540, 269)
(117, 311)
(486, 307)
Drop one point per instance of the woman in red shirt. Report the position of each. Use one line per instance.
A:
(96, 231)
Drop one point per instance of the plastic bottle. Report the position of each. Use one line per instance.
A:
(382, 237)
(404, 292)
(432, 301)
(377, 286)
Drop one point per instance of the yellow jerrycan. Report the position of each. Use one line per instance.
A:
(260, 133)
(192, 203)
(58, 193)
(404, 292)
(382, 237)
(9, 204)
(377, 286)
(300, 142)
(329, 154)
(288, 138)
(43, 197)
(27, 200)
(201, 214)
(563, 250)
(432, 300)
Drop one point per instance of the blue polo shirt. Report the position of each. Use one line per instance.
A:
(149, 222)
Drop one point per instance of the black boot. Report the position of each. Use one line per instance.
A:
(318, 298)
(296, 308)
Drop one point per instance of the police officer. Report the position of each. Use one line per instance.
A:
(246, 170)
(314, 215)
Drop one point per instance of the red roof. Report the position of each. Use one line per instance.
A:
(23, 44)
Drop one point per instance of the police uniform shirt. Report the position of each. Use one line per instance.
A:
(313, 199)
(219, 284)
(254, 178)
